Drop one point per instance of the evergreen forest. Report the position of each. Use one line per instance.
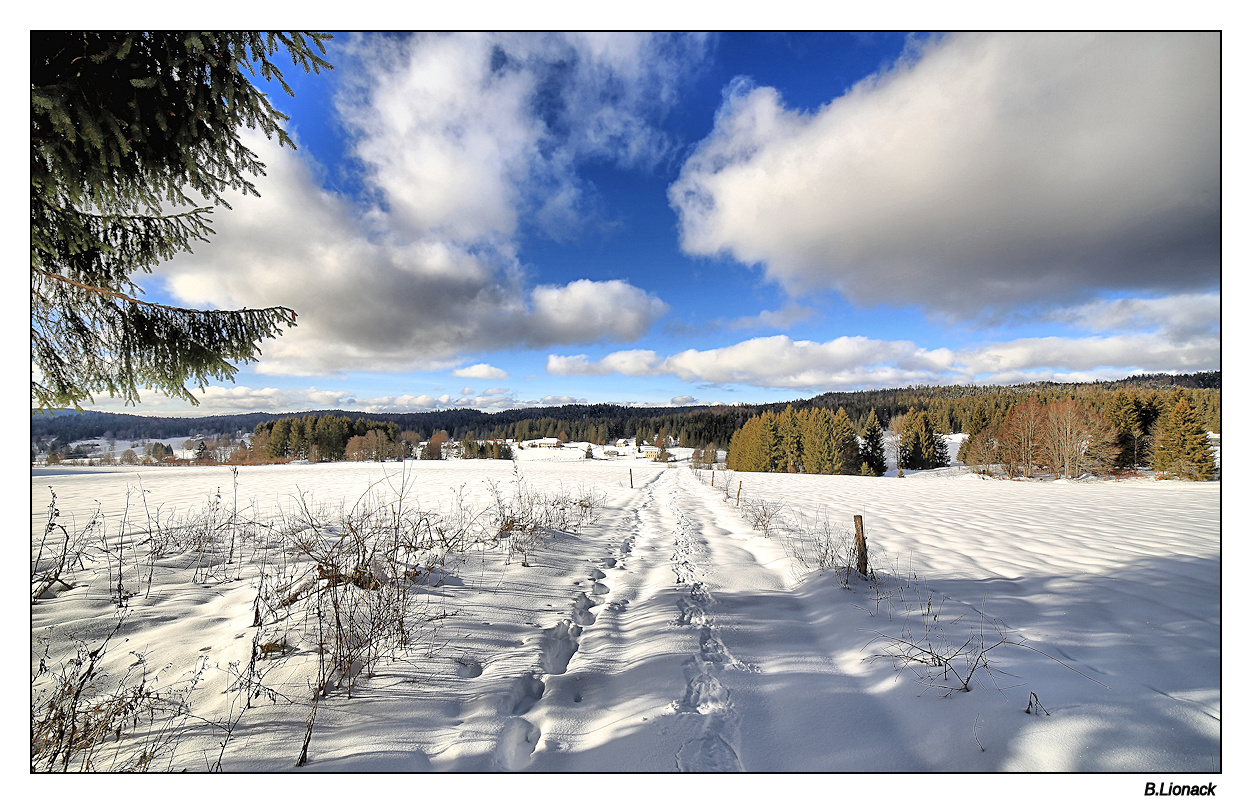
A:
(833, 433)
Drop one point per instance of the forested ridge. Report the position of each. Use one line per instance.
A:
(951, 409)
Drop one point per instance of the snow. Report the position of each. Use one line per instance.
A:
(669, 634)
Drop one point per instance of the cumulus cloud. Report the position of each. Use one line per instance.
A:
(849, 363)
(981, 171)
(461, 138)
(219, 400)
(612, 309)
(481, 371)
(379, 303)
(463, 134)
(408, 403)
(243, 399)
(1179, 316)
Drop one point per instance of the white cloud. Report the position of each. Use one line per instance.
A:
(612, 309)
(856, 362)
(785, 318)
(1150, 352)
(481, 371)
(1179, 316)
(372, 302)
(216, 399)
(462, 139)
(631, 362)
(463, 134)
(983, 171)
(426, 402)
(219, 400)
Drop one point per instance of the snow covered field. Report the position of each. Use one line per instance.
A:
(667, 633)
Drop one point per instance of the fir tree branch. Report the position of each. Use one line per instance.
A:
(286, 312)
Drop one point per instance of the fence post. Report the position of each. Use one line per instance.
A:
(862, 551)
(737, 493)
(632, 477)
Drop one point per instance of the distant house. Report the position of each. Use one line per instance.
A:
(551, 443)
(610, 453)
(650, 449)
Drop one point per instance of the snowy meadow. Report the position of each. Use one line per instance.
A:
(562, 614)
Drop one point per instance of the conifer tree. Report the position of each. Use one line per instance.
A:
(921, 447)
(939, 449)
(845, 455)
(745, 454)
(131, 134)
(1150, 406)
(977, 419)
(297, 439)
(873, 455)
(773, 459)
(280, 440)
(1181, 446)
(790, 441)
(1124, 416)
(819, 444)
(910, 442)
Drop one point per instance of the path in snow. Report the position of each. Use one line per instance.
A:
(672, 636)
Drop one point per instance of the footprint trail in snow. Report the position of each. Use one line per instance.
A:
(716, 748)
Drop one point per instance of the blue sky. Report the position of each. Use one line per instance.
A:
(498, 221)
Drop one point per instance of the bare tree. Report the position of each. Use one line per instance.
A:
(1076, 440)
(1021, 439)
(983, 450)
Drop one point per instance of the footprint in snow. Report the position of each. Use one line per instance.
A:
(560, 643)
(468, 668)
(583, 615)
(523, 695)
(516, 743)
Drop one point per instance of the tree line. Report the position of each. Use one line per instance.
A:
(338, 438)
(1065, 435)
(968, 409)
(1069, 437)
(951, 409)
(817, 441)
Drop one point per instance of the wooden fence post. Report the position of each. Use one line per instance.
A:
(862, 551)
(737, 493)
(632, 477)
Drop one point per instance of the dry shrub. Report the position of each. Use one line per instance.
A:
(83, 720)
(60, 552)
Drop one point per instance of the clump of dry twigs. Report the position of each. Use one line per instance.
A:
(60, 552)
(82, 718)
(948, 655)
